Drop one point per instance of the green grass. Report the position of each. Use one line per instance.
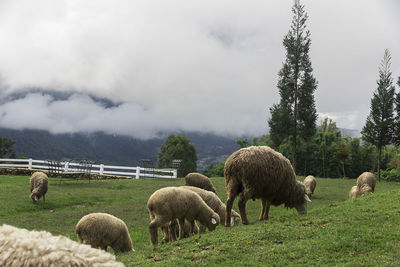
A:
(335, 232)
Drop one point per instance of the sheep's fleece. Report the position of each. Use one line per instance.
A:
(20, 247)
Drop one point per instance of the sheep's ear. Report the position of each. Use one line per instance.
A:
(307, 198)
(213, 221)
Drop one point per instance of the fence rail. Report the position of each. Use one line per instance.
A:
(70, 167)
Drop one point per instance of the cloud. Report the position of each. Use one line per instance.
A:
(182, 65)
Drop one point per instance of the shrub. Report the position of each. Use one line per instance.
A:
(391, 175)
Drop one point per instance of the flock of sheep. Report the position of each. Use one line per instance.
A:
(256, 172)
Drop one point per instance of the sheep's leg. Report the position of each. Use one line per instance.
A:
(165, 234)
(266, 211)
(181, 227)
(242, 208)
(44, 199)
(202, 229)
(153, 229)
(263, 206)
(191, 232)
(232, 193)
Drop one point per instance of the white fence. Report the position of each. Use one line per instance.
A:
(70, 167)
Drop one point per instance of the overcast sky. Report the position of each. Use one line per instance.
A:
(208, 65)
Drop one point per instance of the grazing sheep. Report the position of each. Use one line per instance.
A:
(101, 230)
(261, 172)
(353, 192)
(170, 203)
(356, 191)
(39, 184)
(367, 178)
(213, 201)
(310, 183)
(199, 180)
(20, 247)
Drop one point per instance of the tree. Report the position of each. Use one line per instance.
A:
(342, 154)
(378, 129)
(295, 116)
(396, 134)
(178, 147)
(6, 147)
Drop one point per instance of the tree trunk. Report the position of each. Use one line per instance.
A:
(379, 163)
(344, 174)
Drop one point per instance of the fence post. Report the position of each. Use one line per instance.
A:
(66, 166)
(30, 164)
(174, 173)
(137, 172)
(101, 169)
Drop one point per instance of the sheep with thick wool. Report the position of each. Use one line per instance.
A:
(170, 203)
(20, 247)
(199, 180)
(355, 191)
(261, 172)
(101, 230)
(366, 178)
(310, 183)
(39, 184)
(215, 203)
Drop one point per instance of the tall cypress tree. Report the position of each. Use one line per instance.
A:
(396, 134)
(295, 116)
(378, 129)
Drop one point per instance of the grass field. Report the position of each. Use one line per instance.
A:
(336, 231)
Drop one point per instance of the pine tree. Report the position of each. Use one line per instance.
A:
(396, 134)
(378, 129)
(295, 116)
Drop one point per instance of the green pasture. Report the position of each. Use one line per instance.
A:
(335, 232)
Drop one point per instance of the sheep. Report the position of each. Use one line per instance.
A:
(20, 247)
(101, 230)
(310, 183)
(367, 178)
(261, 172)
(355, 191)
(199, 180)
(213, 201)
(39, 183)
(169, 203)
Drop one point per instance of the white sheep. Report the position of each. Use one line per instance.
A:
(170, 203)
(366, 178)
(101, 230)
(310, 183)
(39, 184)
(20, 247)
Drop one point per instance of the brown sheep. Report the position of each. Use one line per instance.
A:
(367, 178)
(213, 201)
(170, 203)
(261, 172)
(39, 184)
(199, 180)
(101, 230)
(310, 183)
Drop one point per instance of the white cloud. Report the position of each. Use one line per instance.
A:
(184, 65)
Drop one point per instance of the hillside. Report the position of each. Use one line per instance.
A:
(335, 232)
(112, 149)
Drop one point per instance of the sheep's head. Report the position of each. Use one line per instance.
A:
(34, 197)
(235, 219)
(301, 203)
(214, 221)
(365, 189)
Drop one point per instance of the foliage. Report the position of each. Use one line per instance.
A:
(378, 129)
(335, 232)
(295, 116)
(215, 170)
(7, 147)
(178, 147)
(396, 133)
(391, 175)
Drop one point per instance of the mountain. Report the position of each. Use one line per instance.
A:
(112, 149)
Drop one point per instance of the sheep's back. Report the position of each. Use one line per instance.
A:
(260, 170)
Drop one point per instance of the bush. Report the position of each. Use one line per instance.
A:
(215, 170)
(391, 175)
